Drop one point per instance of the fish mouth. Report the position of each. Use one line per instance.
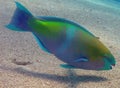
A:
(112, 65)
(107, 64)
(109, 61)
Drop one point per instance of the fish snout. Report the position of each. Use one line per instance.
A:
(109, 62)
(110, 59)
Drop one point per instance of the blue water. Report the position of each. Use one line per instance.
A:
(107, 3)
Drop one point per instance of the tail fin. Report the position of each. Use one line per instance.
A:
(20, 19)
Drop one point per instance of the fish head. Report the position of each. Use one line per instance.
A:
(102, 56)
(99, 63)
(109, 61)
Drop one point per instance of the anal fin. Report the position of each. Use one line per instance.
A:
(40, 43)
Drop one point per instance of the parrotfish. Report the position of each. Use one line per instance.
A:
(67, 40)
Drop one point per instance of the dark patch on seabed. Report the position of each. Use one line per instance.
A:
(21, 62)
(72, 79)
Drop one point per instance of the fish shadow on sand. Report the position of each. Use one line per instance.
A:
(71, 78)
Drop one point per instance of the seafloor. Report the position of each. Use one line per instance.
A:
(24, 65)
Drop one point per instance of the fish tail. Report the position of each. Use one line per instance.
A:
(20, 19)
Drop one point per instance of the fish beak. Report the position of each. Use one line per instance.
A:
(110, 59)
(108, 65)
(113, 64)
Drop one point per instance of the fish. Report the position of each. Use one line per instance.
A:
(66, 40)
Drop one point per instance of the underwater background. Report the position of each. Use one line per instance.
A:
(24, 65)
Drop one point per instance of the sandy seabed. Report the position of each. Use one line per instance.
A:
(40, 69)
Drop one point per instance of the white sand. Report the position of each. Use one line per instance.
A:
(44, 72)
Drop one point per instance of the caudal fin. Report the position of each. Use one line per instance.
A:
(20, 19)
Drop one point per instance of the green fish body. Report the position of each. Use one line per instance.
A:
(67, 40)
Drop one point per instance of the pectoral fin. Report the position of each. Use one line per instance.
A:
(82, 59)
(67, 66)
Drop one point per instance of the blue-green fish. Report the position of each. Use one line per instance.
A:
(68, 41)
